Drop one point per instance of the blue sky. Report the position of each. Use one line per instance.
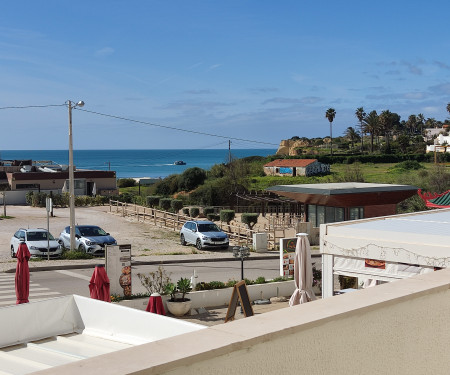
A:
(254, 70)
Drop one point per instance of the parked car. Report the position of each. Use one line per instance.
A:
(88, 238)
(36, 241)
(202, 234)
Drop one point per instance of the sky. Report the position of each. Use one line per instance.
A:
(196, 74)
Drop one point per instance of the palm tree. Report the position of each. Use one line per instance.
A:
(352, 135)
(371, 126)
(387, 121)
(360, 114)
(330, 114)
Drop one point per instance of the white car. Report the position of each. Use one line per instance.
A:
(203, 234)
(88, 238)
(36, 241)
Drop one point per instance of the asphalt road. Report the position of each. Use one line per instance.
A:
(47, 284)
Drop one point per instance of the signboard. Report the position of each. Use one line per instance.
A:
(287, 254)
(239, 291)
(118, 268)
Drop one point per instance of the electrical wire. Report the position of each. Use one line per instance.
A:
(34, 106)
(144, 123)
(174, 128)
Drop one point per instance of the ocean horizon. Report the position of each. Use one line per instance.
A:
(137, 163)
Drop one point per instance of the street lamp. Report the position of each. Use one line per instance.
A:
(71, 105)
(241, 253)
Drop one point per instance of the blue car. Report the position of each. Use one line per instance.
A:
(88, 238)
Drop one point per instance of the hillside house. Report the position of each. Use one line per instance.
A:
(295, 167)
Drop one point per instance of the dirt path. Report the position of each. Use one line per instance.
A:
(144, 238)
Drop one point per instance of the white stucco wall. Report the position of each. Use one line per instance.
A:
(396, 328)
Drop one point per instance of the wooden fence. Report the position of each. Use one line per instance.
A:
(238, 233)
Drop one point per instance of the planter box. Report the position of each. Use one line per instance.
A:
(221, 297)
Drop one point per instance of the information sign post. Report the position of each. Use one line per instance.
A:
(118, 268)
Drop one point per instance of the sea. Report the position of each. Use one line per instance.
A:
(137, 163)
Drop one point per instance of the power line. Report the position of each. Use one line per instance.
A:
(144, 123)
(174, 128)
(34, 106)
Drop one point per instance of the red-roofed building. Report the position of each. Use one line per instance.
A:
(295, 167)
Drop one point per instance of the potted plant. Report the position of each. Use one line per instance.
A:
(179, 306)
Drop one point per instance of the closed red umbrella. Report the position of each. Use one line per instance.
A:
(99, 284)
(22, 274)
(155, 304)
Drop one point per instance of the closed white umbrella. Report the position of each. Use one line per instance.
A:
(303, 275)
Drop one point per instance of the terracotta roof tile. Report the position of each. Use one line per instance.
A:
(290, 163)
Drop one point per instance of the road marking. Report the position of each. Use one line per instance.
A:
(31, 290)
(73, 274)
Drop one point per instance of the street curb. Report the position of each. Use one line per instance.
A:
(147, 263)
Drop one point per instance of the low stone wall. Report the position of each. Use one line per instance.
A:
(221, 297)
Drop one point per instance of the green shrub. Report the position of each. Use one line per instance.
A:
(194, 211)
(231, 283)
(260, 280)
(208, 210)
(153, 200)
(75, 255)
(213, 217)
(186, 211)
(191, 178)
(176, 205)
(217, 285)
(165, 203)
(126, 182)
(227, 215)
(250, 219)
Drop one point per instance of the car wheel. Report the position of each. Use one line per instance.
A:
(182, 240)
(13, 254)
(82, 248)
(61, 243)
(198, 244)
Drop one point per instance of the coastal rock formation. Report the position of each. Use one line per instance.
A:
(289, 147)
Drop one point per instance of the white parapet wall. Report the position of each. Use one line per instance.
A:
(221, 297)
(400, 327)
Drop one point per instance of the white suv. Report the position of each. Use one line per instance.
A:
(202, 234)
(36, 241)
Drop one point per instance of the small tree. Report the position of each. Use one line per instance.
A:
(176, 205)
(155, 282)
(208, 210)
(153, 200)
(213, 217)
(165, 203)
(186, 211)
(227, 216)
(194, 211)
(250, 219)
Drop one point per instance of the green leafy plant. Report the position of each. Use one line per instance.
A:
(186, 211)
(75, 255)
(171, 290)
(184, 287)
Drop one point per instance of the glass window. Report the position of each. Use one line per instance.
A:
(312, 217)
(339, 214)
(355, 213)
(320, 215)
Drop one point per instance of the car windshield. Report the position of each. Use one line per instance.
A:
(208, 228)
(39, 236)
(92, 231)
